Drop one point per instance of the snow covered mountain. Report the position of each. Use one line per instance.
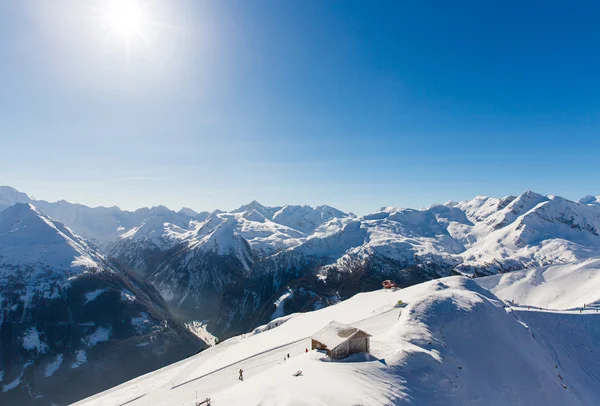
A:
(100, 225)
(241, 263)
(234, 270)
(219, 256)
(71, 321)
(533, 230)
(556, 287)
(453, 343)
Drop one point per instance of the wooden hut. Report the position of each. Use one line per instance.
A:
(341, 340)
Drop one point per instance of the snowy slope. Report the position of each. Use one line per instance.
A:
(453, 344)
(68, 314)
(306, 218)
(406, 236)
(34, 244)
(159, 232)
(533, 230)
(556, 287)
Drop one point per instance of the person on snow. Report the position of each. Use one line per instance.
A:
(307, 350)
(241, 378)
(288, 355)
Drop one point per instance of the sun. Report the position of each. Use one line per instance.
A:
(125, 18)
(134, 28)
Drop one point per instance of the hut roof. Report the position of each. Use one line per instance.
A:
(336, 333)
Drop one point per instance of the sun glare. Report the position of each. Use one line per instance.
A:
(125, 18)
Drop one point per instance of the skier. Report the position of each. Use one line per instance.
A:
(307, 350)
(241, 378)
(288, 355)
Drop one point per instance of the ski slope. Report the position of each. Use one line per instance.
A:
(455, 343)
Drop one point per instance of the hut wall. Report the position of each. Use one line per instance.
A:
(341, 351)
(359, 345)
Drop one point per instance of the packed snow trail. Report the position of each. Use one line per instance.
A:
(256, 361)
(216, 366)
(298, 347)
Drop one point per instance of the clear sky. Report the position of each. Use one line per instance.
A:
(356, 104)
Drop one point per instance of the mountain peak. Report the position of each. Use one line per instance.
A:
(10, 196)
(531, 194)
(252, 205)
(30, 238)
(589, 199)
(20, 210)
(161, 209)
(8, 189)
(249, 206)
(186, 211)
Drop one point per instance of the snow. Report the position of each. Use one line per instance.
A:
(188, 212)
(99, 335)
(273, 324)
(454, 343)
(574, 340)
(31, 240)
(144, 318)
(466, 325)
(200, 330)
(280, 303)
(33, 341)
(224, 232)
(91, 296)
(127, 295)
(102, 225)
(10, 196)
(144, 323)
(482, 235)
(533, 230)
(53, 366)
(306, 218)
(12, 384)
(80, 359)
(591, 200)
(558, 287)
(334, 334)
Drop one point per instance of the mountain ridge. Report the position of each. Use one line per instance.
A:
(231, 268)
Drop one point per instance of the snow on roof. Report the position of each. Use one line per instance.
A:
(336, 333)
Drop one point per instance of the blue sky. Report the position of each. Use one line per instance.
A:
(355, 104)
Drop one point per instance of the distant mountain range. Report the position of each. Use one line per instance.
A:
(236, 270)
